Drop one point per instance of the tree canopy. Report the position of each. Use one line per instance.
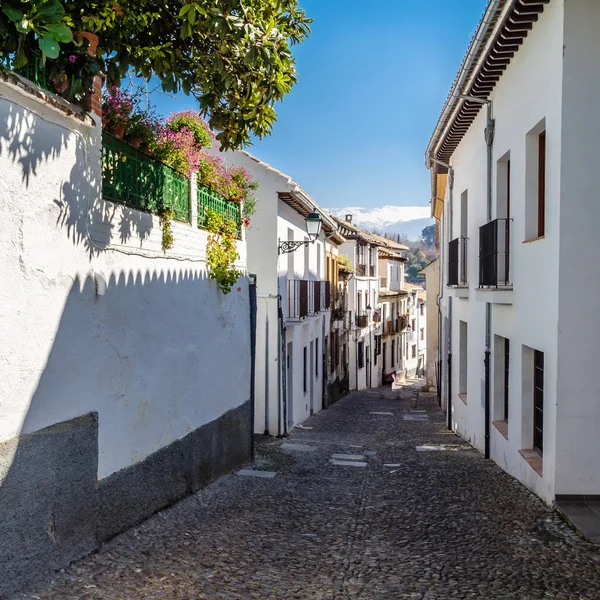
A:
(233, 56)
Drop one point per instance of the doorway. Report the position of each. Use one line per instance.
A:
(368, 350)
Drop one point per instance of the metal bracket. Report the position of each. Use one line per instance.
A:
(285, 247)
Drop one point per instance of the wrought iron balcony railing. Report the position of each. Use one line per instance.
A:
(361, 270)
(494, 254)
(457, 262)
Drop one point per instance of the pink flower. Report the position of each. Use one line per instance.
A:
(72, 59)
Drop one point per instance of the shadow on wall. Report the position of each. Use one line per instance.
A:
(33, 143)
(143, 399)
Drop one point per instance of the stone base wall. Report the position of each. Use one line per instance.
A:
(54, 510)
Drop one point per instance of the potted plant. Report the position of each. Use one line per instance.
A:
(117, 107)
(142, 129)
(72, 73)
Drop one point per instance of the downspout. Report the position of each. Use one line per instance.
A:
(282, 379)
(267, 373)
(489, 140)
(439, 303)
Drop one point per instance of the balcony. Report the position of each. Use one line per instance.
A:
(361, 270)
(494, 260)
(391, 327)
(383, 283)
(362, 320)
(457, 268)
(307, 298)
(402, 323)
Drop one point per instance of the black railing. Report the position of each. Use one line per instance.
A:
(328, 294)
(361, 270)
(457, 262)
(494, 254)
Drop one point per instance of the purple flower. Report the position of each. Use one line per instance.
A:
(72, 59)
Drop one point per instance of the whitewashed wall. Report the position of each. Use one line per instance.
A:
(531, 320)
(577, 465)
(158, 355)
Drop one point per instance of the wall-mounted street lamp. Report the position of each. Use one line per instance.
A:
(313, 228)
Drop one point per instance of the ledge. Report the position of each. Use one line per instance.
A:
(463, 397)
(494, 295)
(458, 291)
(502, 427)
(534, 459)
(535, 239)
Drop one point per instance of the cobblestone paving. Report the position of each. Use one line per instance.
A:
(441, 525)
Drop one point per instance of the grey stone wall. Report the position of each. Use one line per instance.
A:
(53, 510)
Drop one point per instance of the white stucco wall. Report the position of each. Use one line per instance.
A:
(578, 466)
(432, 282)
(531, 320)
(158, 354)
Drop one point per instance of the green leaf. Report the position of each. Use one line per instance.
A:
(12, 13)
(51, 12)
(192, 15)
(184, 10)
(59, 31)
(49, 46)
(20, 59)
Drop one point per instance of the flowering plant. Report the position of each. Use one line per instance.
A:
(143, 127)
(117, 106)
(203, 136)
(177, 149)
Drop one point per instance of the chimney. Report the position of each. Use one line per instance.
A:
(349, 219)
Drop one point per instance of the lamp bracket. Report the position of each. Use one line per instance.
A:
(285, 247)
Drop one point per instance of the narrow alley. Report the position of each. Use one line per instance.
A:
(409, 511)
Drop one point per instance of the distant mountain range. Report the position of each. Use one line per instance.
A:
(407, 220)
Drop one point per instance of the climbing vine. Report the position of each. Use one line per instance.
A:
(221, 250)
(166, 216)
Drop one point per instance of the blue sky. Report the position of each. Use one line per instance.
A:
(373, 77)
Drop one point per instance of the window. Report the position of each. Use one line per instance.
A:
(414, 351)
(462, 368)
(361, 355)
(501, 378)
(464, 214)
(538, 401)
(535, 182)
(359, 303)
(413, 325)
(422, 333)
(304, 371)
(316, 358)
(422, 309)
(506, 376)
(393, 353)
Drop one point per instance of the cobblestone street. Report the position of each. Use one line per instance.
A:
(425, 525)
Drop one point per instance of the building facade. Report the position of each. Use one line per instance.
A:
(514, 190)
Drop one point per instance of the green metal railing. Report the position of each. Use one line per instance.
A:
(208, 199)
(33, 70)
(133, 178)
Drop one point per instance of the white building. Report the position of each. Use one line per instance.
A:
(124, 371)
(515, 187)
(415, 336)
(361, 248)
(432, 285)
(392, 309)
(294, 299)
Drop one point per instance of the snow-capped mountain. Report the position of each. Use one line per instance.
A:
(409, 220)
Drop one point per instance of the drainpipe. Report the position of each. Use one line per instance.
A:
(267, 372)
(282, 379)
(439, 300)
(489, 141)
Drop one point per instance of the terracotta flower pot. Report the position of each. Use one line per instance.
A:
(92, 38)
(117, 130)
(135, 142)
